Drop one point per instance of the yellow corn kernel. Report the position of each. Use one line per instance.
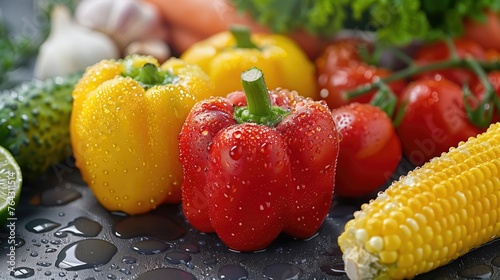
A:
(431, 216)
(388, 256)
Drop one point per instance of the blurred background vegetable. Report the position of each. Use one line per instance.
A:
(21, 35)
(70, 47)
(489, 24)
(126, 22)
(312, 23)
(195, 20)
(396, 22)
(225, 55)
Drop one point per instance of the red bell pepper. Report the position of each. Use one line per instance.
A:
(258, 163)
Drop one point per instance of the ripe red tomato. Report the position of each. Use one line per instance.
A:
(486, 33)
(334, 82)
(341, 53)
(439, 51)
(434, 119)
(339, 68)
(369, 150)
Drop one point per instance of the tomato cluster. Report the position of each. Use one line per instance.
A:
(432, 111)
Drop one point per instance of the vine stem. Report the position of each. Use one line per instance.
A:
(415, 70)
(480, 116)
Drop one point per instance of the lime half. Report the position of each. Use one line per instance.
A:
(10, 186)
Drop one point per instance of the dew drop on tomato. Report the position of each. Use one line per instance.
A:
(235, 152)
(265, 148)
(237, 134)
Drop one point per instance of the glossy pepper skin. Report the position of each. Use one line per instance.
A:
(224, 56)
(258, 165)
(126, 117)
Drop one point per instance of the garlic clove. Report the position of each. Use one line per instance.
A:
(123, 20)
(70, 47)
(154, 47)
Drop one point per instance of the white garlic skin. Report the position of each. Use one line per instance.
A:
(125, 21)
(70, 48)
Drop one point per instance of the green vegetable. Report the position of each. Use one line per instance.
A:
(34, 123)
(395, 21)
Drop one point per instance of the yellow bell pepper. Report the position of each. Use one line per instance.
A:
(224, 56)
(127, 115)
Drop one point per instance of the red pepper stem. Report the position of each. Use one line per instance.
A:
(254, 85)
(242, 37)
(259, 108)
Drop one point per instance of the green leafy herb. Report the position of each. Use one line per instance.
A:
(315, 16)
(12, 51)
(395, 21)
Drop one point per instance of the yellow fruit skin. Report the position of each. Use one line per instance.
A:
(124, 137)
(283, 63)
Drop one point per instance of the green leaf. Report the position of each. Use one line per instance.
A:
(396, 22)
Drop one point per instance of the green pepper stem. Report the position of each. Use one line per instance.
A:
(242, 37)
(259, 108)
(149, 75)
(254, 85)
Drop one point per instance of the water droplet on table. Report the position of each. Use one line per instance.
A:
(125, 271)
(232, 272)
(59, 196)
(60, 234)
(129, 260)
(150, 247)
(18, 243)
(41, 225)
(189, 248)
(50, 250)
(177, 258)
(82, 226)
(43, 264)
(55, 242)
(166, 273)
(22, 272)
(86, 253)
(34, 254)
(282, 271)
(478, 271)
(149, 225)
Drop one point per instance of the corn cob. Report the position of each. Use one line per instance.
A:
(429, 217)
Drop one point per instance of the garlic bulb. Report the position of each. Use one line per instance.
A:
(70, 47)
(154, 47)
(123, 20)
